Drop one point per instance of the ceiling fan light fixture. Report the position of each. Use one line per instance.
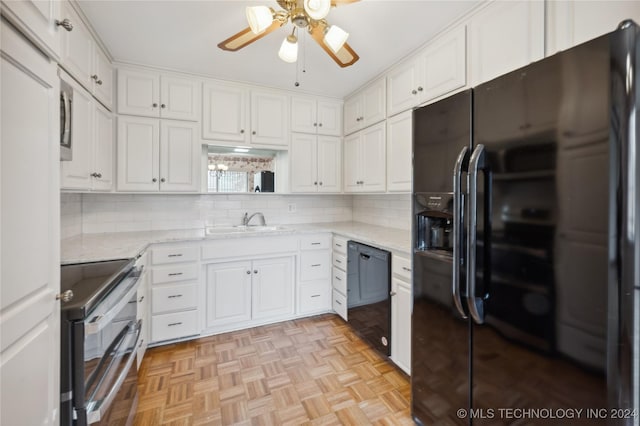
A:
(317, 9)
(259, 18)
(335, 38)
(289, 49)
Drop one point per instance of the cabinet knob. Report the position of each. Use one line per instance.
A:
(154, 180)
(320, 125)
(95, 77)
(420, 89)
(414, 92)
(315, 124)
(65, 23)
(162, 180)
(248, 272)
(315, 183)
(255, 271)
(253, 133)
(163, 105)
(96, 175)
(99, 82)
(320, 183)
(393, 293)
(241, 130)
(155, 105)
(65, 296)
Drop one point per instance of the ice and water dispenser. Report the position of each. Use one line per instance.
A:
(434, 221)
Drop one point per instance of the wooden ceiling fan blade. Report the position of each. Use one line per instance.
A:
(344, 57)
(246, 37)
(342, 2)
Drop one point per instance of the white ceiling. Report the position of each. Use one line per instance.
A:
(183, 35)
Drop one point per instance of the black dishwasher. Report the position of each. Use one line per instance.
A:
(368, 294)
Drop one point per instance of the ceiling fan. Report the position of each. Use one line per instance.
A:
(303, 14)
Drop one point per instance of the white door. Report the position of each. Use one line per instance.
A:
(402, 87)
(228, 293)
(138, 93)
(353, 114)
(374, 106)
(138, 154)
(401, 303)
(103, 80)
(224, 115)
(330, 118)
(75, 174)
(37, 19)
(103, 149)
(303, 160)
(179, 156)
(269, 119)
(179, 98)
(77, 48)
(272, 293)
(399, 147)
(329, 164)
(303, 115)
(29, 234)
(352, 163)
(373, 158)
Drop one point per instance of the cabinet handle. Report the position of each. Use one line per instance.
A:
(96, 175)
(174, 323)
(248, 272)
(393, 293)
(175, 255)
(65, 23)
(338, 261)
(316, 265)
(315, 295)
(255, 271)
(406, 269)
(141, 299)
(173, 296)
(154, 180)
(338, 278)
(241, 130)
(175, 274)
(420, 89)
(155, 105)
(163, 105)
(162, 180)
(141, 342)
(338, 245)
(338, 302)
(315, 244)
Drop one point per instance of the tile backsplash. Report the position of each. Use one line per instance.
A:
(98, 213)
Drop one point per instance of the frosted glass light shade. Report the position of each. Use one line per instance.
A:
(259, 18)
(317, 9)
(335, 38)
(289, 49)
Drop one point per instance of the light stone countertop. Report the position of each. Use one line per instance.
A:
(123, 245)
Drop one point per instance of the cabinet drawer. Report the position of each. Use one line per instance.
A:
(340, 261)
(315, 242)
(401, 266)
(340, 245)
(339, 304)
(175, 273)
(314, 297)
(167, 255)
(174, 326)
(174, 298)
(315, 265)
(339, 280)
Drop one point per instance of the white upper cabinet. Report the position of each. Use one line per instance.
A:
(235, 115)
(158, 95)
(103, 151)
(365, 160)
(40, 21)
(365, 108)
(179, 156)
(399, 150)
(309, 115)
(316, 163)
(438, 69)
(329, 164)
(505, 36)
(84, 60)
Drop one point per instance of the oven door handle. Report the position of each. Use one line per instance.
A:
(95, 415)
(97, 323)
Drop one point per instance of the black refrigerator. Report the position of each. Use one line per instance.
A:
(526, 238)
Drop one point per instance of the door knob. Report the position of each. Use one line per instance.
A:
(65, 296)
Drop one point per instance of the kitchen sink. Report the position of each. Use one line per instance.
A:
(242, 229)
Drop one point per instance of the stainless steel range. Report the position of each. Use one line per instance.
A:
(99, 335)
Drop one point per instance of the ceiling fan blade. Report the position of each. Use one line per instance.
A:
(345, 57)
(246, 37)
(342, 2)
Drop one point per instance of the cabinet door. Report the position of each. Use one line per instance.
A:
(373, 156)
(37, 20)
(374, 104)
(75, 174)
(401, 324)
(329, 164)
(269, 119)
(179, 98)
(179, 156)
(138, 154)
(272, 294)
(102, 170)
(399, 147)
(443, 65)
(303, 160)
(353, 114)
(138, 93)
(505, 36)
(228, 293)
(352, 163)
(402, 87)
(103, 81)
(77, 48)
(225, 112)
(30, 237)
(303, 115)
(329, 118)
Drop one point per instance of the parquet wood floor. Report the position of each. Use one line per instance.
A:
(312, 371)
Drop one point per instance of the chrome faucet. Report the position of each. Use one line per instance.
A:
(246, 219)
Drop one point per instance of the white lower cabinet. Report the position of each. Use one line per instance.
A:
(314, 280)
(401, 307)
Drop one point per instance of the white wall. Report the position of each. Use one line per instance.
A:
(390, 210)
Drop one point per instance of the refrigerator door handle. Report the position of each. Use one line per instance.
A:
(458, 226)
(476, 163)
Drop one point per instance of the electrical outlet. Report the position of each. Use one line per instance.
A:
(292, 208)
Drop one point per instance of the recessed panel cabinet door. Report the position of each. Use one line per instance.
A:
(304, 173)
(329, 118)
(102, 171)
(269, 119)
(303, 115)
(103, 82)
(399, 146)
(329, 164)
(138, 154)
(401, 324)
(179, 156)
(225, 111)
(180, 98)
(138, 93)
(272, 287)
(373, 162)
(37, 20)
(352, 163)
(29, 234)
(228, 293)
(77, 47)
